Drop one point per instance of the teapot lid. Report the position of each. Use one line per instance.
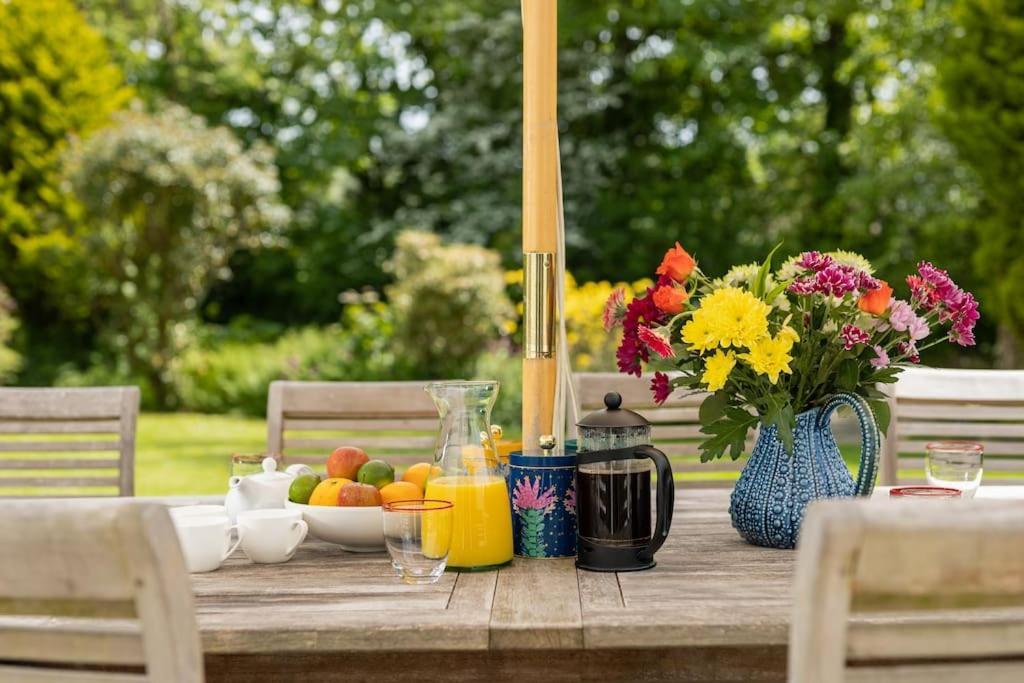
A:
(614, 415)
(270, 475)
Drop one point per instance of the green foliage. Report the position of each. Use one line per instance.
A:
(983, 115)
(9, 360)
(448, 303)
(167, 199)
(56, 80)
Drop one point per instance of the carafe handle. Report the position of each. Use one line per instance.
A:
(666, 497)
(870, 439)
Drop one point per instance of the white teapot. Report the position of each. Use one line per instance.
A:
(265, 490)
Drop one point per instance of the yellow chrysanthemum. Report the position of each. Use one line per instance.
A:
(717, 369)
(788, 335)
(770, 356)
(734, 317)
(697, 335)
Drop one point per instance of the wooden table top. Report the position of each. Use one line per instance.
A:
(709, 588)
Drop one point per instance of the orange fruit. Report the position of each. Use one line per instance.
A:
(401, 490)
(419, 473)
(326, 492)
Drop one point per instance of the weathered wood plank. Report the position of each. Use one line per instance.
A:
(537, 606)
(58, 464)
(57, 446)
(45, 426)
(33, 482)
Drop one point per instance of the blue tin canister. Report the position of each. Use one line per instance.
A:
(543, 493)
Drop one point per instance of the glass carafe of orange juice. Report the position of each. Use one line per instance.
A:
(467, 475)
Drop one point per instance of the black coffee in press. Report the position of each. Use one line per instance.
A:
(613, 503)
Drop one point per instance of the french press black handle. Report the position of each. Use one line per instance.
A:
(665, 501)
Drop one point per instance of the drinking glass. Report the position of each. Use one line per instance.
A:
(418, 534)
(955, 464)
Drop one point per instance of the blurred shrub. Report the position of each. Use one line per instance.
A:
(167, 200)
(593, 349)
(57, 80)
(448, 304)
(9, 360)
(506, 366)
(234, 375)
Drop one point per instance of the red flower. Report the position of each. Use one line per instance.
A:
(677, 264)
(661, 387)
(656, 341)
(632, 352)
(670, 299)
(614, 310)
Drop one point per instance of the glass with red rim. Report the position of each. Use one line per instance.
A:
(924, 492)
(955, 465)
(418, 535)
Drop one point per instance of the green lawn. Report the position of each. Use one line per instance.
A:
(184, 453)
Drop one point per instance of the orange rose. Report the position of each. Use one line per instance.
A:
(677, 264)
(877, 300)
(670, 299)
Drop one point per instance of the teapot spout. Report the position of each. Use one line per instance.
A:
(234, 482)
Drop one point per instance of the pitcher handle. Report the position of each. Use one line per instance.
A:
(870, 439)
(666, 497)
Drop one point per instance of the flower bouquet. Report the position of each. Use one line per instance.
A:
(783, 348)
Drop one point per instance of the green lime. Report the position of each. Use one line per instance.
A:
(302, 488)
(376, 472)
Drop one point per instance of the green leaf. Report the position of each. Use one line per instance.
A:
(849, 375)
(713, 407)
(882, 414)
(759, 284)
(729, 432)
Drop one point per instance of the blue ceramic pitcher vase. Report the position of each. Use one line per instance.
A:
(775, 487)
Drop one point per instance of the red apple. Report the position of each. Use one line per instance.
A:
(345, 462)
(358, 496)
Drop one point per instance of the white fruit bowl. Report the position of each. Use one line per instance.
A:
(358, 529)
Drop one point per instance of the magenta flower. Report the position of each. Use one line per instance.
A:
(834, 280)
(614, 310)
(814, 260)
(661, 387)
(909, 349)
(852, 336)
(529, 497)
(657, 341)
(964, 316)
(881, 359)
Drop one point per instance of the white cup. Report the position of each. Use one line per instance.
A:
(205, 540)
(198, 510)
(271, 536)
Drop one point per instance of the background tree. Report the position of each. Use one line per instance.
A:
(983, 89)
(56, 80)
(9, 359)
(168, 199)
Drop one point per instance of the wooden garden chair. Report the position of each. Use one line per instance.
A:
(675, 426)
(68, 442)
(953, 571)
(937, 404)
(94, 591)
(392, 421)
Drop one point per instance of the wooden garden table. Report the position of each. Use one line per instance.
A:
(714, 608)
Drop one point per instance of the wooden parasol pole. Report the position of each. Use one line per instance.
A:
(540, 217)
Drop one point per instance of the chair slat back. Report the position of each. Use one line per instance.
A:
(68, 442)
(393, 421)
(96, 583)
(934, 404)
(675, 426)
(954, 570)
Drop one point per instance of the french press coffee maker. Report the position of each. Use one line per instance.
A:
(613, 491)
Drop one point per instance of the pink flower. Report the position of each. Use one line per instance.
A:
(661, 387)
(901, 315)
(881, 359)
(964, 316)
(802, 287)
(909, 349)
(852, 336)
(918, 329)
(657, 341)
(834, 280)
(814, 260)
(614, 310)
(528, 497)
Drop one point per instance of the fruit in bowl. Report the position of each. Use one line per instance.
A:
(358, 496)
(346, 461)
